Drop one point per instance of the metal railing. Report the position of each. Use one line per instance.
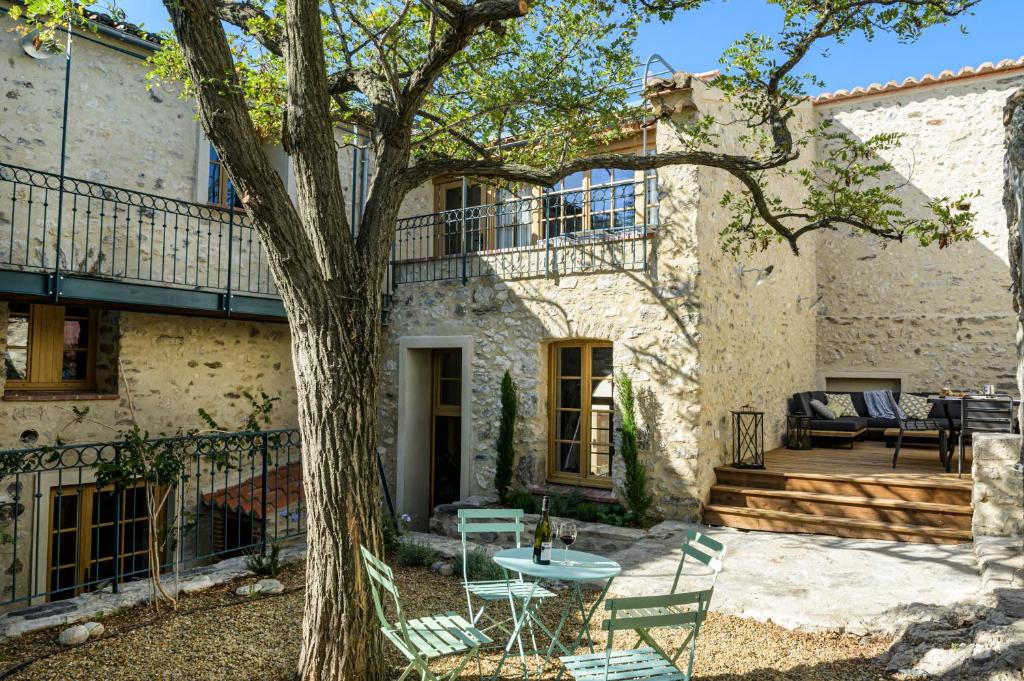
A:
(600, 228)
(93, 230)
(62, 535)
(96, 230)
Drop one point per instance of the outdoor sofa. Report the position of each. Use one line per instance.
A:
(863, 426)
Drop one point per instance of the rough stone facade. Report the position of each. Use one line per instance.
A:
(689, 332)
(998, 497)
(927, 317)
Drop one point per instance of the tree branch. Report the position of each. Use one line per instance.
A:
(240, 14)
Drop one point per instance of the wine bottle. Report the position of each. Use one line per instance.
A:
(542, 540)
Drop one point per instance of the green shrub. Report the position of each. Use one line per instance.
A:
(479, 566)
(520, 498)
(390, 533)
(265, 561)
(505, 445)
(634, 487)
(415, 554)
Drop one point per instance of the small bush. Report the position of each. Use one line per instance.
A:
(479, 566)
(391, 533)
(520, 498)
(265, 562)
(505, 446)
(634, 487)
(414, 554)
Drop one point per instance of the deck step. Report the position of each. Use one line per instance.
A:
(955, 492)
(897, 511)
(785, 521)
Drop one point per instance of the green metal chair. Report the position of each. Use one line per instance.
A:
(650, 662)
(426, 638)
(474, 521)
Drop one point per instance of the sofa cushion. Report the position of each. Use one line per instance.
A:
(822, 411)
(841, 404)
(846, 424)
(915, 406)
(875, 422)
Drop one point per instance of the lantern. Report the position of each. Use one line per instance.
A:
(747, 438)
(798, 432)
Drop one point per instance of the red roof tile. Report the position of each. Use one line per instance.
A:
(284, 489)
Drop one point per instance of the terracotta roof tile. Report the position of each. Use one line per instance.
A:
(284, 489)
(927, 79)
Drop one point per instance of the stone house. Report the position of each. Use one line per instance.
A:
(161, 286)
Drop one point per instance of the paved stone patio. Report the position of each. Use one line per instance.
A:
(811, 582)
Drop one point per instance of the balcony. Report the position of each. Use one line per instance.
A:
(86, 242)
(90, 242)
(605, 228)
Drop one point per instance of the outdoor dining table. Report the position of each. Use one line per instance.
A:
(571, 567)
(946, 400)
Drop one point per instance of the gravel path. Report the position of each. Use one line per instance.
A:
(217, 635)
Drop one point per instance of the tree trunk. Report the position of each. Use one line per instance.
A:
(335, 349)
(1013, 201)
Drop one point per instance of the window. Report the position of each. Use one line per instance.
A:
(514, 218)
(450, 235)
(598, 199)
(50, 347)
(88, 529)
(219, 190)
(582, 410)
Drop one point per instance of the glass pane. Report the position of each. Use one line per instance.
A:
(569, 393)
(601, 362)
(569, 425)
(451, 393)
(76, 312)
(104, 507)
(135, 503)
(76, 365)
(600, 176)
(451, 364)
(569, 458)
(16, 363)
(64, 548)
(600, 461)
(17, 331)
(570, 361)
(65, 511)
(103, 541)
(136, 537)
(102, 570)
(213, 184)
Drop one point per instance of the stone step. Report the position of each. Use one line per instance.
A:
(896, 511)
(783, 521)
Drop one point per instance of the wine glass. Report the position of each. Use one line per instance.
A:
(567, 535)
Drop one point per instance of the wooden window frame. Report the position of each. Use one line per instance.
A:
(584, 477)
(46, 351)
(488, 195)
(84, 527)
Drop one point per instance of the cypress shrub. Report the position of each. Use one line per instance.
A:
(634, 488)
(505, 445)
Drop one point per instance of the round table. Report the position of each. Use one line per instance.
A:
(572, 567)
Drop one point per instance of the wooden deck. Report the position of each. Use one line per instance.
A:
(844, 492)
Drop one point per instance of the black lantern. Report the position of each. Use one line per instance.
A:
(798, 432)
(747, 438)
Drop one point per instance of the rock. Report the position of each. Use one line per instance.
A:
(95, 629)
(244, 590)
(73, 636)
(437, 565)
(447, 570)
(269, 586)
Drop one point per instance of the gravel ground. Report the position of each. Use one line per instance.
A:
(217, 635)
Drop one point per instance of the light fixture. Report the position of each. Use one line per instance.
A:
(762, 273)
(814, 301)
(34, 46)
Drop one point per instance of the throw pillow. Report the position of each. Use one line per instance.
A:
(821, 410)
(915, 406)
(841, 404)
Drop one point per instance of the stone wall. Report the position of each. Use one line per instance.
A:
(696, 340)
(929, 317)
(757, 343)
(998, 497)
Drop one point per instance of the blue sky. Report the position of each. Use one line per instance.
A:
(695, 40)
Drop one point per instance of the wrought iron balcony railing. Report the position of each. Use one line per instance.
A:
(601, 228)
(86, 229)
(87, 241)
